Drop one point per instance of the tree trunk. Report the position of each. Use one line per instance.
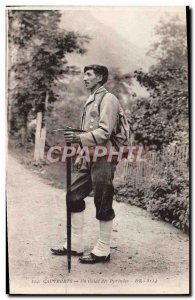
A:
(38, 136)
(44, 129)
(42, 142)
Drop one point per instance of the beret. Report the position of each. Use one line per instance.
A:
(97, 68)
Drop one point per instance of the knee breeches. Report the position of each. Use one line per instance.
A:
(97, 176)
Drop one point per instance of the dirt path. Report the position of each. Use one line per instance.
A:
(148, 256)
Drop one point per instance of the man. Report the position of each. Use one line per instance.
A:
(98, 120)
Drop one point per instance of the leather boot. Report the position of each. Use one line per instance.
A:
(101, 252)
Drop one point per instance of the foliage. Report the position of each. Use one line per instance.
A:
(67, 110)
(170, 49)
(169, 200)
(41, 57)
(165, 196)
(163, 117)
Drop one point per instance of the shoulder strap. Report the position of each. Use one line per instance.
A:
(100, 101)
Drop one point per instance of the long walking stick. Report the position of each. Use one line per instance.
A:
(68, 196)
(68, 225)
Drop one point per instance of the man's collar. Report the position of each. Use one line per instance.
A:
(97, 90)
(91, 98)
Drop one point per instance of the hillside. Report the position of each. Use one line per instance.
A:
(107, 47)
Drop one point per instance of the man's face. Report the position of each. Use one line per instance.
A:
(91, 79)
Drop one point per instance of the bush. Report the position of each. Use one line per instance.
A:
(166, 197)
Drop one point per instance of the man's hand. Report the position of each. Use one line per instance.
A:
(71, 137)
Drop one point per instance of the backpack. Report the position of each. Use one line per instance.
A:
(121, 132)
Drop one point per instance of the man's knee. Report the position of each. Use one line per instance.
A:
(103, 199)
(105, 215)
(76, 204)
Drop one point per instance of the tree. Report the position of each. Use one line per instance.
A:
(163, 117)
(41, 62)
(159, 120)
(170, 49)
